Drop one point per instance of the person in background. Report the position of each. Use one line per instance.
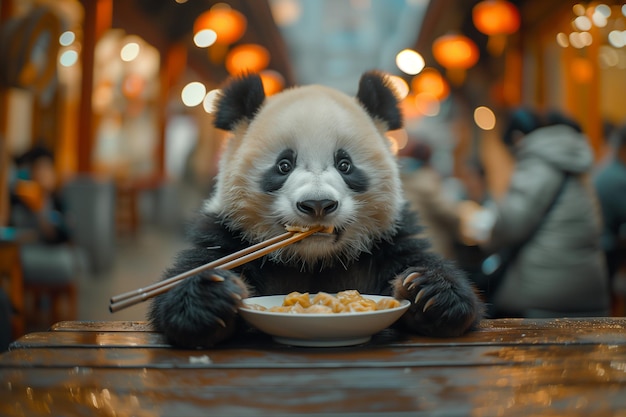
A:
(38, 217)
(36, 205)
(550, 207)
(423, 190)
(610, 183)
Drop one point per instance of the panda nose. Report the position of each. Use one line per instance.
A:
(317, 208)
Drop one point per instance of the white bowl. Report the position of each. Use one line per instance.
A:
(333, 329)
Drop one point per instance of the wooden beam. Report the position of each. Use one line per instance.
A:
(6, 11)
(97, 20)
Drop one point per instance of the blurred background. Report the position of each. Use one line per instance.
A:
(121, 90)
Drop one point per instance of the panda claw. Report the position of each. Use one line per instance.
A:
(216, 278)
(221, 322)
(410, 278)
(419, 295)
(428, 304)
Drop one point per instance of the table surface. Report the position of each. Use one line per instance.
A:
(508, 367)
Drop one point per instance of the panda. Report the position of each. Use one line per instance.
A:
(309, 156)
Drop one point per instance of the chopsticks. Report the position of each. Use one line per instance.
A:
(233, 260)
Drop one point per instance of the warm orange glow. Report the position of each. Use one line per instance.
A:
(455, 51)
(228, 24)
(432, 82)
(272, 81)
(247, 58)
(496, 17)
(582, 70)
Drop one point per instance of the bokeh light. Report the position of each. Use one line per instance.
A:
(208, 103)
(130, 51)
(193, 94)
(400, 86)
(484, 118)
(67, 38)
(410, 61)
(68, 58)
(205, 38)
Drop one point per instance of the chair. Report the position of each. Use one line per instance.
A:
(11, 279)
(50, 283)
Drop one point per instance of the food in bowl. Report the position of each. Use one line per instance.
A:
(348, 301)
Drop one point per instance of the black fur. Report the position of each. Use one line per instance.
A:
(239, 100)
(274, 178)
(377, 96)
(354, 177)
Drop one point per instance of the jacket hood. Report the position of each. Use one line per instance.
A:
(560, 146)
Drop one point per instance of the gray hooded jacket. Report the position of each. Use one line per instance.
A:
(560, 271)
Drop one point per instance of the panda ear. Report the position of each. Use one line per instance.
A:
(378, 97)
(239, 100)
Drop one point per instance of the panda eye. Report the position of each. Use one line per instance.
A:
(284, 166)
(344, 165)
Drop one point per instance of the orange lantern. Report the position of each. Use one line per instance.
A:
(247, 58)
(228, 24)
(430, 81)
(456, 53)
(496, 18)
(272, 81)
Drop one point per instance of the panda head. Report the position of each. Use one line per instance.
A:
(309, 156)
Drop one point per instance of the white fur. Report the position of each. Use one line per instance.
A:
(314, 121)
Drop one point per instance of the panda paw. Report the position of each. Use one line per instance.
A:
(443, 303)
(201, 311)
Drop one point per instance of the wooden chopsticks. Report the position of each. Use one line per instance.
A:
(233, 260)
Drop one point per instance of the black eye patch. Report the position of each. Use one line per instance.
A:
(353, 176)
(274, 177)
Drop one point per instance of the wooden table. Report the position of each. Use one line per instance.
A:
(512, 367)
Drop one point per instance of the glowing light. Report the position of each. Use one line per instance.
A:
(193, 94)
(272, 81)
(484, 118)
(205, 38)
(247, 58)
(209, 100)
(586, 38)
(578, 9)
(582, 23)
(562, 40)
(68, 58)
(229, 24)
(427, 104)
(582, 70)
(575, 40)
(410, 61)
(432, 82)
(67, 38)
(400, 86)
(603, 10)
(496, 17)
(617, 38)
(455, 51)
(399, 138)
(599, 19)
(130, 51)
(285, 12)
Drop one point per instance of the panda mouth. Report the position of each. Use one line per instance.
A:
(325, 230)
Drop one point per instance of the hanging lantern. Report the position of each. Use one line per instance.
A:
(272, 81)
(432, 82)
(456, 53)
(247, 58)
(227, 23)
(497, 19)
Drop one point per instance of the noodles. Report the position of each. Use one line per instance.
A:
(349, 301)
